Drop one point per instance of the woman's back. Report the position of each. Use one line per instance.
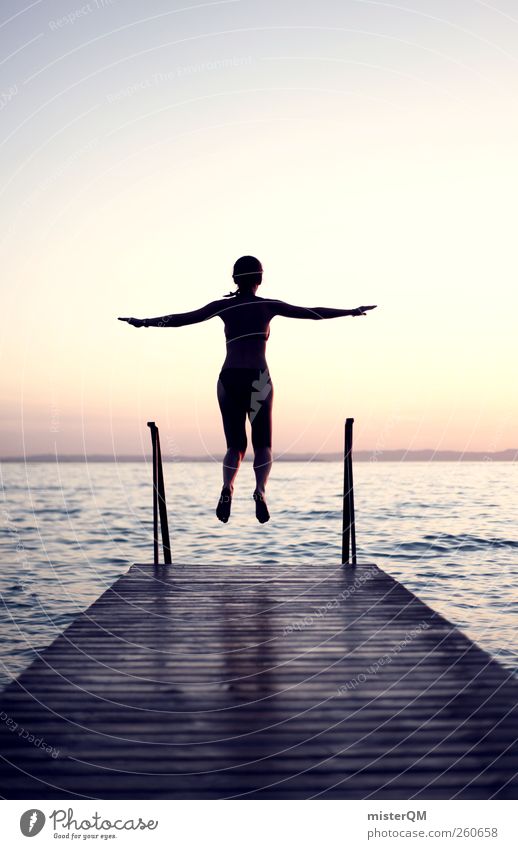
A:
(247, 328)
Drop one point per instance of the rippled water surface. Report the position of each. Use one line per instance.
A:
(448, 531)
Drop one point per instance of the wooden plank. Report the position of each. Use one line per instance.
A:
(204, 681)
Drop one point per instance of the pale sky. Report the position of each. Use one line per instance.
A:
(364, 151)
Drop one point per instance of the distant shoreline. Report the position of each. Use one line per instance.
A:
(425, 455)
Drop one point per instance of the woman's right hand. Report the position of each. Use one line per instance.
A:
(362, 310)
(135, 322)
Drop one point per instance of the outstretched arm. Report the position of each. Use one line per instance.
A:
(316, 313)
(179, 319)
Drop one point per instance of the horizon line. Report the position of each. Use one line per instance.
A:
(362, 455)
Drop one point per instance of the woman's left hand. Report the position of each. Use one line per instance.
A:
(363, 310)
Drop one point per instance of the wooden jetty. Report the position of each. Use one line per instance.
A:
(287, 682)
(266, 682)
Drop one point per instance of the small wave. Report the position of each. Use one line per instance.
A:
(397, 556)
(418, 546)
(61, 511)
(472, 542)
(307, 514)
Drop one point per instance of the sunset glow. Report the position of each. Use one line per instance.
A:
(368, 161)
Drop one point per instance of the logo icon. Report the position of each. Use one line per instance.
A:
(31, 822)
(262, 388)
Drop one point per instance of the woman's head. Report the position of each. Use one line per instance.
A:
(247, 273)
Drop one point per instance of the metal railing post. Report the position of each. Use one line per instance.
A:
(159, 502)
(348, 521)
(162, 506)
(152, 427)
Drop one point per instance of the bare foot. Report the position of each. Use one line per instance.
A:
(261, 509)
(224, 505)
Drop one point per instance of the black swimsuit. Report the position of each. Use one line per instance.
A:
(242, 392)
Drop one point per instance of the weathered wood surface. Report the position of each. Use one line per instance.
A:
(260, 682)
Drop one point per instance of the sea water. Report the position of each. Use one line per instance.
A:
(448, 531)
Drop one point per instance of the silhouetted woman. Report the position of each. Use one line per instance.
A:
(244, 385)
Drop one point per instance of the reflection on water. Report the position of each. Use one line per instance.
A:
(447, 530)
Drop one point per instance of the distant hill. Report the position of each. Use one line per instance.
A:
(399, 455)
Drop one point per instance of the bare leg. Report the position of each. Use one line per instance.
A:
(262, 468)
(231, 464)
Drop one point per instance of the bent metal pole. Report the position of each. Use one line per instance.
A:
(159, 502)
